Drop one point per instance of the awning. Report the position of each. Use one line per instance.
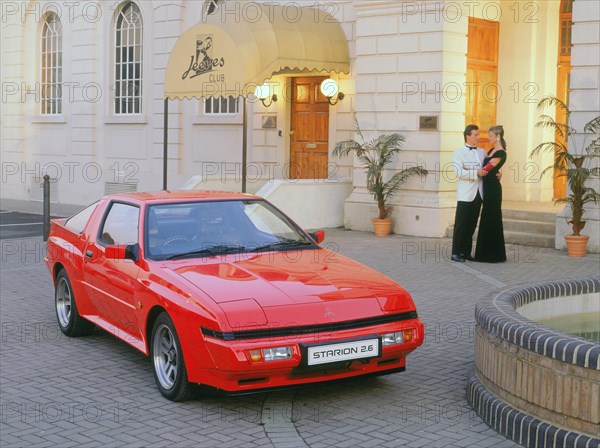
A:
(236, 50)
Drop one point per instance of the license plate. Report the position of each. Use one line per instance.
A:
(343, 351)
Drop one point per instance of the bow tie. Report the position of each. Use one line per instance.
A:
(471, 147)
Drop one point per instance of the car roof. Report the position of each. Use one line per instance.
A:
(179, 196)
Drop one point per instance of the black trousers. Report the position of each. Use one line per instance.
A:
(465, 223)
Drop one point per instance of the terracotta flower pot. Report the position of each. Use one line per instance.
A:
(382, 227)
(576, 245)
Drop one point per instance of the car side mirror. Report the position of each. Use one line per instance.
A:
(123, 252)
(318, 236)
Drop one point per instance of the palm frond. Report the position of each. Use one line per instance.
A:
(552, 101)
(344, 148)
(357, 126)
(563, 129)
(392, 186)
(550, 169)
(590, 192)
(548, 147)
(593, 126)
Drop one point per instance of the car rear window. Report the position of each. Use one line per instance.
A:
(77, 222)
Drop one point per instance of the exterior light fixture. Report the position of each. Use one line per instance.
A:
(262, 93)
(330, 89)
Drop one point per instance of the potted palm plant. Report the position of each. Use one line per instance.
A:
(374, 156)
(576, 165)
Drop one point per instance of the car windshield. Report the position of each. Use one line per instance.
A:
(209, 228)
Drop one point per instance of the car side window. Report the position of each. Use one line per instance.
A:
(120, 226)
(77, 222)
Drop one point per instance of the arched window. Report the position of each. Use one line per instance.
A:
(128, 60)
(562, 82)
(566, 23)
(51, 65)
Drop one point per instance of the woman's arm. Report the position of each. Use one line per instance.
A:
(491, 164)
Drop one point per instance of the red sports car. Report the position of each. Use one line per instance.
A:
(223, 289)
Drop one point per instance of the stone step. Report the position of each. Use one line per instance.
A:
(528, 215)
(529, 239)
(526, 228)
(520, 238)
(536, 227)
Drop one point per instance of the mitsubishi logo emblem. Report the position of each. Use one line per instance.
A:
(329, 313)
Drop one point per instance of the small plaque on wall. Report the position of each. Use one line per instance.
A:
(269, 121)
(427, 123)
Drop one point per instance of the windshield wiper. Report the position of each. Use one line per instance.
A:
(210, 251)
(281, 244)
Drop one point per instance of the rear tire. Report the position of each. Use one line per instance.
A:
(167, 360)
(69, 320)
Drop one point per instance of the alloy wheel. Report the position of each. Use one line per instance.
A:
(165, 356)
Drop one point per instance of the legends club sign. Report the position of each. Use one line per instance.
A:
(203, 62)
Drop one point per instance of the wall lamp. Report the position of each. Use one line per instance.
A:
(330, 89)
(262, 93)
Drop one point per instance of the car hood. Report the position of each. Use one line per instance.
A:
(299, 287)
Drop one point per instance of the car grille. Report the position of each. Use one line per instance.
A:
(307, 329)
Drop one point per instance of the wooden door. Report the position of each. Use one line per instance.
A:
(562, 83)
(309, 142)
(482, 76)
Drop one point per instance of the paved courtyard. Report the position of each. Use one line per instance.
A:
(97, 391)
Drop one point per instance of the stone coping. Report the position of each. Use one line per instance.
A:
(500, 318)
(519, 426)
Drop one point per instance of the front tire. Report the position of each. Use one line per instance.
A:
(69, 320)
(167, 360)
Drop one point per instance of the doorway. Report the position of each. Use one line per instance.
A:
(482, 76)
(562, 84)
(309, 133)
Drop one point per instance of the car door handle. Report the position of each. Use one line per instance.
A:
(89, 254)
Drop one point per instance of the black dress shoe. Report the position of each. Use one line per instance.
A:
(458, 258)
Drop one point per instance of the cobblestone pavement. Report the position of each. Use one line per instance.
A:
(97, 391)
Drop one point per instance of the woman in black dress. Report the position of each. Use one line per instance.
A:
(490, 239)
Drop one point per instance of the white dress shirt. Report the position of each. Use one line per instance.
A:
(466, 162)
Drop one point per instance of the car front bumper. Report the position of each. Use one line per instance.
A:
(233, 370)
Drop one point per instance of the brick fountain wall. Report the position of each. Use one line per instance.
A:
(535, 385)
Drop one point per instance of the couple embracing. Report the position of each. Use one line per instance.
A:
(479, 182)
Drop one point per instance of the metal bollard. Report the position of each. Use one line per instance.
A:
(46, 218)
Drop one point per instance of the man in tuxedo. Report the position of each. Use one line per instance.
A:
(467, 160)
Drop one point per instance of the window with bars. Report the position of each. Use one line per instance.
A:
(51, 66)
(565, 37)
(128, 60)
(221, 105)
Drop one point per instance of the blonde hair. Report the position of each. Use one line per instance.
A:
(499, 131)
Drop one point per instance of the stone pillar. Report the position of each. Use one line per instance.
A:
(406, 52)
(584, 102)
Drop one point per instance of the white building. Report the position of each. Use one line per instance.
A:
(83, 88)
